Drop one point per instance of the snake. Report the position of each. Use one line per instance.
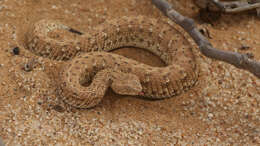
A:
(91, 68)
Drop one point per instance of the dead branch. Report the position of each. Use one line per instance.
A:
(238, 60)
(230, 7)
(237, 6)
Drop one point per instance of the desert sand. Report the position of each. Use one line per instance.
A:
(223, 108)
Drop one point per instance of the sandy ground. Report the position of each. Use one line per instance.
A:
(222, 109)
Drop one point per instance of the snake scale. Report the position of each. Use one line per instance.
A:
(89, 60)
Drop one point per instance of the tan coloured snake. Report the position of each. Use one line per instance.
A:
(88, 58)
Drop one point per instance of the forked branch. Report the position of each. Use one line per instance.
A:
(229, 6)
(237, 6)
(238, 60)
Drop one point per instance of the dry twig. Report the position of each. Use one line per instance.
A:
(230, 7)
(239, 60)
(237, 6)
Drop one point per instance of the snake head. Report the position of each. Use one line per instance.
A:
(127, 84)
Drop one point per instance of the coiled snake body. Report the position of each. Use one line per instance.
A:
(88, 57)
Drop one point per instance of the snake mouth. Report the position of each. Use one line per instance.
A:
(141, 93)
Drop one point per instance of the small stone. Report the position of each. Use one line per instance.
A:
(75, 31)
(210, 115)
(16, 50)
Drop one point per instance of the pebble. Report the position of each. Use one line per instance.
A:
(16, 50)
(210, 115)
